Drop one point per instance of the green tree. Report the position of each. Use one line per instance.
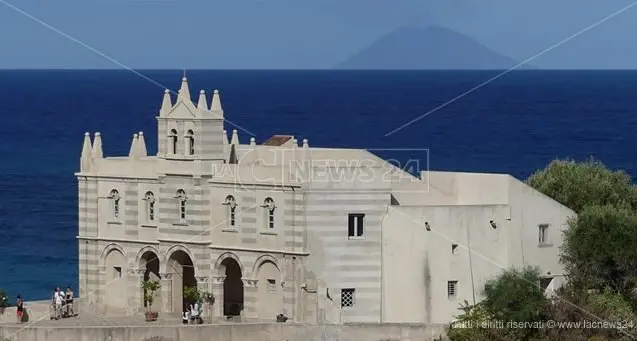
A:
(599, 248)
(513, 296)
(577, 185)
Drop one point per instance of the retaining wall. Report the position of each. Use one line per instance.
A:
(242, 332)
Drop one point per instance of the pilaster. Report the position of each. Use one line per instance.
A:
(216, 285)
(135, 290)
(166, 292)
(98, 293)
(250, 293)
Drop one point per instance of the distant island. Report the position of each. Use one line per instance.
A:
(431, 48)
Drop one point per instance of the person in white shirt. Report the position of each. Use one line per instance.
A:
(58, 298)
(194, 313)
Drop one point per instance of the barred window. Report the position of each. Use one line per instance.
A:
(150, 206)
(269, 206)
(181, 197)
(452, 289)
(347, 297)
(114, 196)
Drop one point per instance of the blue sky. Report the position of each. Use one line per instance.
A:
(300, 33)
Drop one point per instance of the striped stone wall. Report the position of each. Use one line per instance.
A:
(349, 263)
(208, 137)
(196, 226)
(285, 247)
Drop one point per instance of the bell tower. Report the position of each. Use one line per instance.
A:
(187, 131)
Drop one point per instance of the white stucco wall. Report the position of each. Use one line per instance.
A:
(417, 264)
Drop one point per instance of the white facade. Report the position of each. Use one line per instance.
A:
(318, 234)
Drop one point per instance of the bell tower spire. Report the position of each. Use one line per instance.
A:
(184, 91)
(188, 130)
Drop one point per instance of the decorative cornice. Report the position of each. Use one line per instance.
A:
(132, 271)
(202, 279)
(166, 276)
(218, 279)
(249, 282)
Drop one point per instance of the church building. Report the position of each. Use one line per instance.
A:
(322, 235)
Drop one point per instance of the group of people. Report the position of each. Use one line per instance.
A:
(192, 315)
(63, 303)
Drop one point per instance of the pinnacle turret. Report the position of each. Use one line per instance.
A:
(225, 137)
(184, 91)
(166, 104)
(215, 105)
(97, 152)
(202, 105)
(133, 152)
(235, 137)
(141, 145)
(86, 146)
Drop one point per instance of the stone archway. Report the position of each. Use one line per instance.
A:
(182, 270)
(150, 262)
(233, 295)
(270, 292)
(115, 269)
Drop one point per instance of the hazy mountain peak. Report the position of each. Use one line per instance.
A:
(432, 47)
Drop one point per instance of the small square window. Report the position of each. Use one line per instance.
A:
(117, 272)
(452, 289)
(271, 286)
(454, 247)
(347, 297)
(355, 225)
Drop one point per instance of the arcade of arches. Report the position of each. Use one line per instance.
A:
(231, 288)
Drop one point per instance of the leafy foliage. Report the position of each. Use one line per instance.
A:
(192, 295)
(599, 248)
(599, 254)
(577, 185)
(150, 288)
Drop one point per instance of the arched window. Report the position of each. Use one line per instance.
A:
(181, 197)
(172, 141)
(232, 207)
(269, 206)
(114, 196)
(150, 206)
(190, 137)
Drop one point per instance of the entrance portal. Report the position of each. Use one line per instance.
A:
(150, 261)
(232, 288)
(183, 276)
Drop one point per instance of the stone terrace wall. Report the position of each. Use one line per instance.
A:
(243, 332)
(37, 310)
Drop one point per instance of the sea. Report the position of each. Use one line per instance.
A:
(458, 121)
